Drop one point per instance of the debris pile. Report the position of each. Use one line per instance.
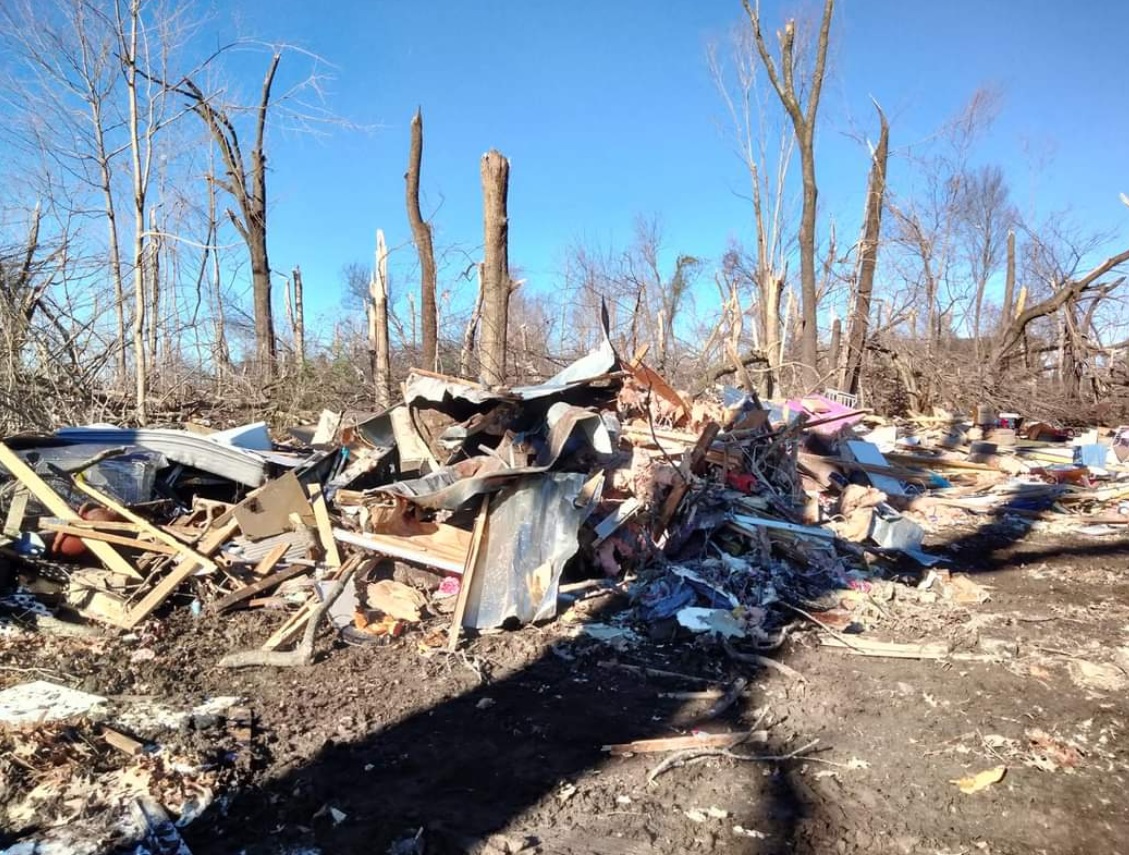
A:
(467, 508)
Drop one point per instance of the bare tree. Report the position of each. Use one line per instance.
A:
(496, 283)
(766, 145)
(984, 217)
(245, 181)
(141, 147)
(937, 249)
(803, 118)
(421, 235)
(65, 74)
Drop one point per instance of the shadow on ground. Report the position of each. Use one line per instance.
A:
(504, 756)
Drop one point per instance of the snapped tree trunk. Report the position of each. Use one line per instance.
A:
(299, 318)
(836, 341)
(772, 289)
(859, 322)
(421, 236)
(378, 324)
(1009, 282)
(466, 354)
(1015, 331)
(496, 286)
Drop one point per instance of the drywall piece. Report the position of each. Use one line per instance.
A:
(868, 454)
(40, 701)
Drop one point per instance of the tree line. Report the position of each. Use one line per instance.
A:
(138, 213)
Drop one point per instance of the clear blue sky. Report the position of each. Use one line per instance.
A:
(607, 111)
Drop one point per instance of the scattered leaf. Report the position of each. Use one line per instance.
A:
(1099, 676)
(1039, 672)
(995, 740)
(981, 780)
(1049, 754)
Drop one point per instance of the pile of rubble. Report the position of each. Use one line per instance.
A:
(467, 508)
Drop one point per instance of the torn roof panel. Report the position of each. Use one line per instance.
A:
(436, 389)
(200, 452)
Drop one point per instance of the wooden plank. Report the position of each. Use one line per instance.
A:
(144, 525)
(212, 541)
(217, 537)
(651, 379)
(259, 587)
(13, 523)
(160, 593)
(271, 558)
(125, 744)
(444, 549)
(293, 625)
(468, 573)
(691, 462)
(682, 743)
(611, 523)
(937, 462)
(325, 527)
(57, 506)
(109, 537)
(896, 650)
(93, 525)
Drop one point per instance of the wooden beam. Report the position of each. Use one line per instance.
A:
(108, 537)
(124, 743)
(58, 506)
(325, 527)
(468, 573)
(293, 625)
(144, 525)
(211, 542)
(259, 587)
(683, 743)
(648, 378)
(271, 558)
(445, 549)
(160, 593)
(13, 523)
(937, 462)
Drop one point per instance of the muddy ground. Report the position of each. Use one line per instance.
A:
(499, 749)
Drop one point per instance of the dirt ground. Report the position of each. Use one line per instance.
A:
(499, 749)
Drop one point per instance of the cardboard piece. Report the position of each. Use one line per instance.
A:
(267, 512)
(396, 600)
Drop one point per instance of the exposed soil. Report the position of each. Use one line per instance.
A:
(499, 749)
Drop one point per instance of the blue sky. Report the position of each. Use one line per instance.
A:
(607, 111)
